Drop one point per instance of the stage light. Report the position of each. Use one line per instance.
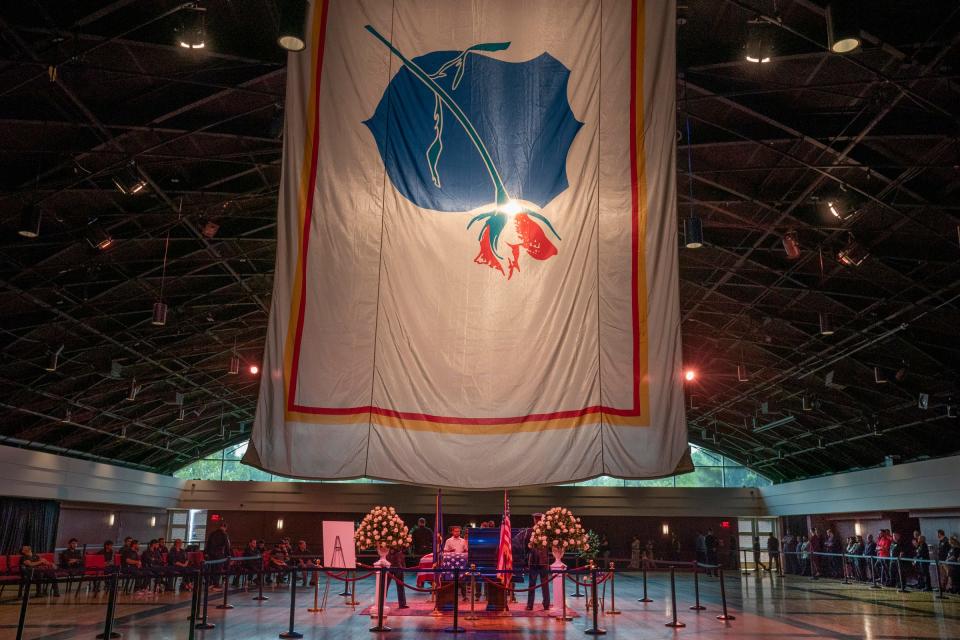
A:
(97, 237)
(512, 208)
(791, 245)
(826, 324)
(665, 528)
(742, 373)
(29, 221)
(128, 180)
(843, 32)
(234, 365)
(689, 375)
(693, 232)
(853, 254)
(279, 524)
(192, 33)
(293, 15)
(159, 314)
(54, 359)
(254, 369)
(758, 48)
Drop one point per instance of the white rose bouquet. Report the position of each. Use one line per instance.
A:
(382, 527)
(559, 528)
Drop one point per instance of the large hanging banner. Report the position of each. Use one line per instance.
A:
(476, 280)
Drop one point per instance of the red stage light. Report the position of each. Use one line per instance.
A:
(689, 375)
(254, 369)
(725, 524)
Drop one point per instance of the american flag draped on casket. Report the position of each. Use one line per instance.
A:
(451, 561)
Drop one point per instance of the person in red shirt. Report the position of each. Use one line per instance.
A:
(815, 546)
(884, 540)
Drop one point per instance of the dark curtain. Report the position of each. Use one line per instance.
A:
(32, 522)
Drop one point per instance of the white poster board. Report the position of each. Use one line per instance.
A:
(339, 549)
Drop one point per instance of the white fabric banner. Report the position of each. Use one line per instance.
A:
(476, 280)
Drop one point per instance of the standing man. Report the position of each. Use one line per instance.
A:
(422, 539)
(943, 551)
(537, 569)
(710, 541)
(217, 548)
(815, 547)
(773, 548)
(456, 544)
(397, 560)
(921, 555)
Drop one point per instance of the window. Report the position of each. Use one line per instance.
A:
(712, 470)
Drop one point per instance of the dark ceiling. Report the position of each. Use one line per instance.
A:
(87, 86)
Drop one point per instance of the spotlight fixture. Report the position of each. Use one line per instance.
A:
(128, 180)
(30, 221)
(134, 390)
(693, 232)
(791, 244)
(689, 375)
(758, 48)
(98, 238)
(853, 254)
(159, 314)
(742, 373)
(54, 359)
(293, 16)
(826, 324)
(879, 376)
(843, 32)
(254, 369)
(192, 33)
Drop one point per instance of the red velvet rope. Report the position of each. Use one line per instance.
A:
(353, 579)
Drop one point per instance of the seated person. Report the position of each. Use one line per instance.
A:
(178, 563)
(38, 570)
(252, 567)
(130, 560)
(107, 553)
(278, 561)
(71, 558)
(303, 560)
(151, 565)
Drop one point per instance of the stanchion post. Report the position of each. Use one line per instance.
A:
(723, 599)
(473, 593)
(743, 569)
(577, 594)
(24, 603)
(596, 630)
(290, 633)
(316, 596)
(456, 628)
(226, 587)
(108, 631)
(381, 596)
(676, 624)
(613, 611)
(205, 582)
(843, 566)
(351, 588)
(873, 574)
(346, 586)
(645, 597)
(936, 564)
(194, 605)
(260, 596)
(903, 587)
(696, 588)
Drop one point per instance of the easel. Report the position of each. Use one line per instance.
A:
(336, 561)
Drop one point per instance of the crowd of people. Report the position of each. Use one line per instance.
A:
(889, 559)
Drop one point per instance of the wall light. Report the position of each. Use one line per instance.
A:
(279, 524)
(153, 521)
(857, 530)
(665, 528)
(111, 520)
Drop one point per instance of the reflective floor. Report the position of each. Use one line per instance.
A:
(785, 608)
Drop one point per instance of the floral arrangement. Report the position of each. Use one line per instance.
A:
(558, 528)
(592, 548)
(382, 527)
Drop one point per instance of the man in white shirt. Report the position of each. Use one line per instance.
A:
(455, 544)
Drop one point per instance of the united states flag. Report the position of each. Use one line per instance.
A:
(505, 550)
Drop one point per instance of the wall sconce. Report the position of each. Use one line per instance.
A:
(279, 524)
(153, 521)
(666, 529)
(856, 529)
(111, 520)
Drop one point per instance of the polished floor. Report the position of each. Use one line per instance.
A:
(790, 608)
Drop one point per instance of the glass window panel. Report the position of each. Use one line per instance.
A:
(702, 477)
(764, 526)
(745, 542)
(745, 525)
(743, 477)
(657, 482)
(704, 458)
(200, 470)
(233, 470)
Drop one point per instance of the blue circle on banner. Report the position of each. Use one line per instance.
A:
(519, 110)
